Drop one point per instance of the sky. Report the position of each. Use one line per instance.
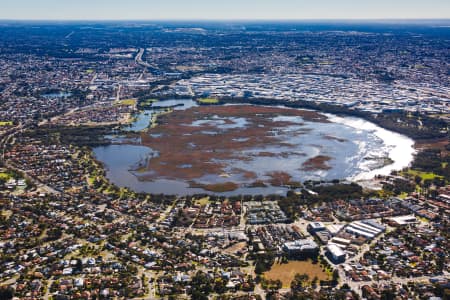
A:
(222, 9)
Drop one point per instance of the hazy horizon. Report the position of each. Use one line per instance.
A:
(232, 10)
(427, 21)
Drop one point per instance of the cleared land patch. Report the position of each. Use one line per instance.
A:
(287, 272)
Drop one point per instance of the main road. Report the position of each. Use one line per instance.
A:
(142, 63)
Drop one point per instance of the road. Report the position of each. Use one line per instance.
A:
(93, 79)
(39, 184)
(142, 63)
(119, 88)
(47, 295)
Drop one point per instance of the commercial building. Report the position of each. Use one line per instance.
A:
(336, 254)
(315, 227)
(404, 220)
(301, 248)
(366, 229)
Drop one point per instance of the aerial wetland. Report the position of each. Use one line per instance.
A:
(185, 149)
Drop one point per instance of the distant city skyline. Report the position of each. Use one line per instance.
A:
(222, 10)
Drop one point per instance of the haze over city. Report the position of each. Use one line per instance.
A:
(222, 10)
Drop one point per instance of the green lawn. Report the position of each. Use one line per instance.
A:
(5, 176)
(208, 100)
(90, 180)
(202, 201)
(423, 175)
(403, 195)
(127, 102)
(6, 123)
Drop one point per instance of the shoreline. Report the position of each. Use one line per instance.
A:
(385, 133)
(400, 148)
(338, 110)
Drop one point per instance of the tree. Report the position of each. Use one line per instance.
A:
(6, 293)
(198, 295)
(427, 183)
(388, 294)
(440, 263)
(259, 267)
(335, 276)
(314, 281)
(299, 281)
(220, 286)
(200, 286)
(417, 179)
(79, 265)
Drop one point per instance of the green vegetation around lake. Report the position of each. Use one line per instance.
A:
(146, 103)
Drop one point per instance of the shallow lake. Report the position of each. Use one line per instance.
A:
(354, 148)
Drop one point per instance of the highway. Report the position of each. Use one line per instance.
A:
(142, 63)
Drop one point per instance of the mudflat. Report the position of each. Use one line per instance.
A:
(205, 140)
